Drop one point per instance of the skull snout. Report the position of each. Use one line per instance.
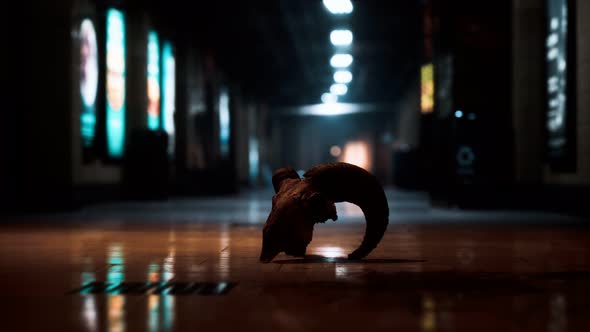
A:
(269, 250)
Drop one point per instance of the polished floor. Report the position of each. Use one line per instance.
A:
(192, 265)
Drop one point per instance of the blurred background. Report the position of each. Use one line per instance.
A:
(476, 103)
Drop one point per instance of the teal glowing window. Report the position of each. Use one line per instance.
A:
(115, 83)
(224, 123)
(153, 81)
(88, 81)
(169, 95)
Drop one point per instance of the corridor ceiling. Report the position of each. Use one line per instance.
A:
(280, 50)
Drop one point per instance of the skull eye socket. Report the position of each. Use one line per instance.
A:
(320, 208)
(315, 201)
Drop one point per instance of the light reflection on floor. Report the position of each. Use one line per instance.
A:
(431, 276)
(330, 252)
(116, 305)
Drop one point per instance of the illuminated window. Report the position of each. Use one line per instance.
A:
(253, 159)
(169, 96)
(224, 123)
(153, 81)
(88, 81)
(115, 81)
(427, 95)
(557, 76)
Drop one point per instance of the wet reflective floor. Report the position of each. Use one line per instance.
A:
(187, 265)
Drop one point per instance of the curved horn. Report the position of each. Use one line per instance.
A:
(282, 174)
(343, 182)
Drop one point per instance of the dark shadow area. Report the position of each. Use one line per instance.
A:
(453, 282)
(343, 260)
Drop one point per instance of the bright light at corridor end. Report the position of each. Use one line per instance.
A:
(357, 153)
(328, 98)
(338, 6)
(341, 60)
(342, 76)
(341, 37)
(338, 89)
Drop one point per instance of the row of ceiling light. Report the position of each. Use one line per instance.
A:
(341, 61)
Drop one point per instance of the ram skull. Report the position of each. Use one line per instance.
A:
(300, 203)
